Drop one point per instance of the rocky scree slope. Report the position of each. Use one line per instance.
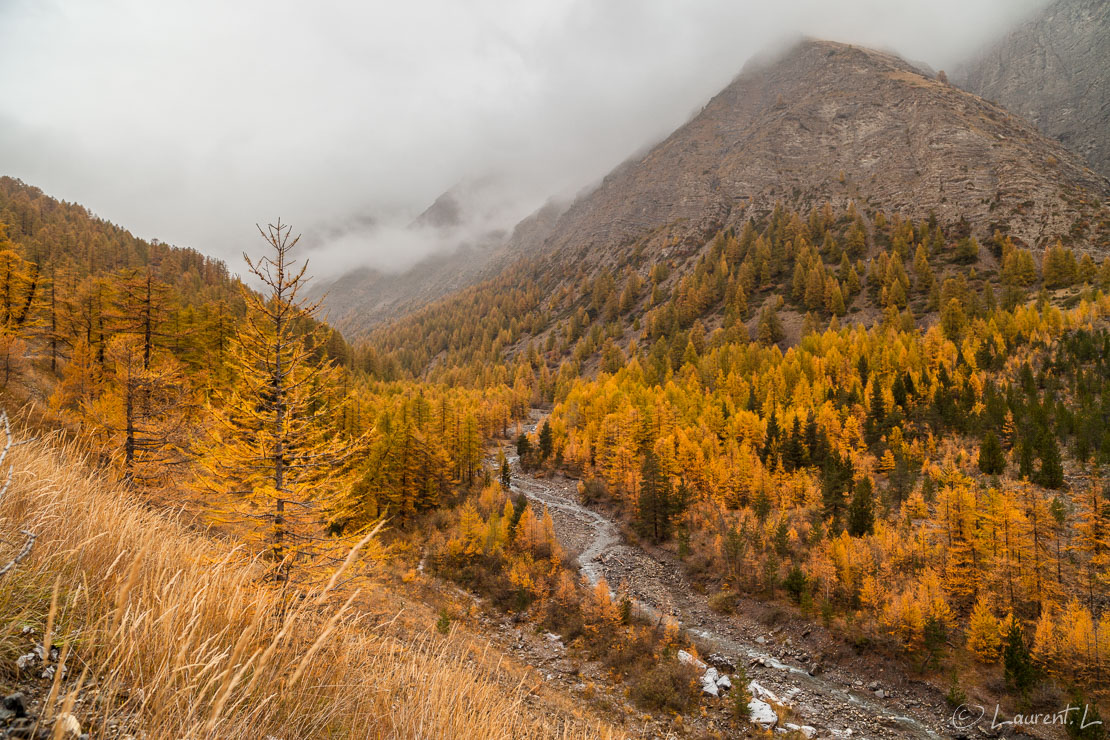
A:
(1055, 71)
(837, 123)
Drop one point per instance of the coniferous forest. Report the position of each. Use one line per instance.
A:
(720, 447)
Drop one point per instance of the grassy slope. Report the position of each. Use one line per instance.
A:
(172, 633)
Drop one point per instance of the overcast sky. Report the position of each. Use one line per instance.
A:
(190, 120)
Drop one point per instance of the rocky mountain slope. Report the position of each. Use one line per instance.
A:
(366, 297)
(1055, 71)
(831, 122)
(854, 145)
(823, 123)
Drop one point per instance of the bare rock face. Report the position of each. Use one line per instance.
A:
(836, 123)
(1055, 71)
(823, 123)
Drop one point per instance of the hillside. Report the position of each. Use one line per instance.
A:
(134, 606)
(830, 122)
(68, 241)
(365, 298)
(824, 124)
(1053, 70)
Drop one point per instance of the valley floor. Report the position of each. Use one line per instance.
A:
(848, 694)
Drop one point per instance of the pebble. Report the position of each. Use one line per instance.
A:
(16, 704)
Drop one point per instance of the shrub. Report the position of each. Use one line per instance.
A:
(666, 686)
(723, 602)
(739, 695)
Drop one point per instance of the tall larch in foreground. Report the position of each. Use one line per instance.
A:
(276, 450)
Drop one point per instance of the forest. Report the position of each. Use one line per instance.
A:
(884, 425)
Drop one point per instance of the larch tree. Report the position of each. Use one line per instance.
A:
(275, 451)
(984, 637)
(142, 306)
(144, 410)
(19, 284)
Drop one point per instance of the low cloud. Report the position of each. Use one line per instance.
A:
(191, 121)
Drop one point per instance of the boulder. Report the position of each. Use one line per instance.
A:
(16, 704)
(722, 663)
(723, 683)
(709, 682)
(688, 659)
(807, 730)
(760, 692)
(760, 713)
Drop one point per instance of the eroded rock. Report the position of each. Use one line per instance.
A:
(760, 713)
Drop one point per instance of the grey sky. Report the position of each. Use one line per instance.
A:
(189, 120)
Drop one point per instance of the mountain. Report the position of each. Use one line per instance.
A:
(828, 165)
(823, 123)
(468, 247)
(833, 123)
(366, 297)
(1055, 71)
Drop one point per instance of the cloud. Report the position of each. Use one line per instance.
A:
(189, 121)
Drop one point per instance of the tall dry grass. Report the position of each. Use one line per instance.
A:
(174, 634)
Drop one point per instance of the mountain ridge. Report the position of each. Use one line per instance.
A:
(1053, 71)
(821, 123)
(890, 135)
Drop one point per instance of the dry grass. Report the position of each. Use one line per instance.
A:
(172, 634)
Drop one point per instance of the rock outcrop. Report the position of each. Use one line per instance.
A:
(1055, 71)
(837, 123)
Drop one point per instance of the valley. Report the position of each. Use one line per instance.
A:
(836, 699)
(787, 416)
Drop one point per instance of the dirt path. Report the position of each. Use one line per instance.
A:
(835, 701)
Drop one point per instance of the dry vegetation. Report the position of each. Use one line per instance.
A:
(166, 632)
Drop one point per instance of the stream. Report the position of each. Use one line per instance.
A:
(842, 708)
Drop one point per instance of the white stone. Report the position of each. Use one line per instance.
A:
(709, 682)
(688, 659)
(723, 683)
(808, 731)
(760, 692)
(760, 713)
(23, 662)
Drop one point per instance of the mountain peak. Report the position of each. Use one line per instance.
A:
(830, 122)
